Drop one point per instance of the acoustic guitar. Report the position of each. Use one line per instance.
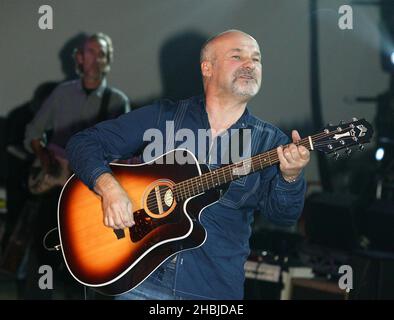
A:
(168, 199)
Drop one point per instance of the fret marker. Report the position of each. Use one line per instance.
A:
(310, 142)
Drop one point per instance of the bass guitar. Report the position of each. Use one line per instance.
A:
(41, 182)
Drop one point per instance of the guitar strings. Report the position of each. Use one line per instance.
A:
(152, 202)
(186, 185)
(191, 183)
(271, 154)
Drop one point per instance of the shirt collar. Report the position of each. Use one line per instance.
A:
(243, 122)
(100, 89)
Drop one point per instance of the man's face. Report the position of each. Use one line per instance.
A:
(94, 58)
(236, 65)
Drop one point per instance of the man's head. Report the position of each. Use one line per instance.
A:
(94, 56)
(231, 65)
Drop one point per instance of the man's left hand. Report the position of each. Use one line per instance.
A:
(292, 158)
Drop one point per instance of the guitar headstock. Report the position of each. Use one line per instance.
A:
(343, 136)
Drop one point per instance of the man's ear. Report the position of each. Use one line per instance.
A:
(206, 68)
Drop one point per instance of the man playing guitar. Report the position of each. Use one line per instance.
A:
(72, 106)
(231, 69)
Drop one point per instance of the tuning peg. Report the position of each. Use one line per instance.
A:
(361, 147)
(336, 155)
(348, 151)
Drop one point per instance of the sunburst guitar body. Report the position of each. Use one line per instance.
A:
(115, 261)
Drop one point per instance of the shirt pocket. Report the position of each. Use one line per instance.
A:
(240, 182)
(240, 191)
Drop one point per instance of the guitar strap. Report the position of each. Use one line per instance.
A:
(178, 120)
(103, 111)
(254, 144)
(256, 134)
(180, 114)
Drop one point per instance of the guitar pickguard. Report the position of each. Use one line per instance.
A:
(144, 224)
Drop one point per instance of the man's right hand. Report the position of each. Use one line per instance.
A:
(116, 205)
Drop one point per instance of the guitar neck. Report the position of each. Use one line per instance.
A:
(226, 174)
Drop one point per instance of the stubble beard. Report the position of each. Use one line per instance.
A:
(248, 89)
(245, 87)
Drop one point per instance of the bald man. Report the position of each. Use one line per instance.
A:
(231, 69)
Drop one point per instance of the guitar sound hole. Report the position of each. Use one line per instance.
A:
(160, 201)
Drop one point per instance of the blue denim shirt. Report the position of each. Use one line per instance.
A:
(216, 269)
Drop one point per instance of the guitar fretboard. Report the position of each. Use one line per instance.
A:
(223, 175)
(330, 140)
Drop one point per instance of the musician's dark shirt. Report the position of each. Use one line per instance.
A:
(216, 269)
